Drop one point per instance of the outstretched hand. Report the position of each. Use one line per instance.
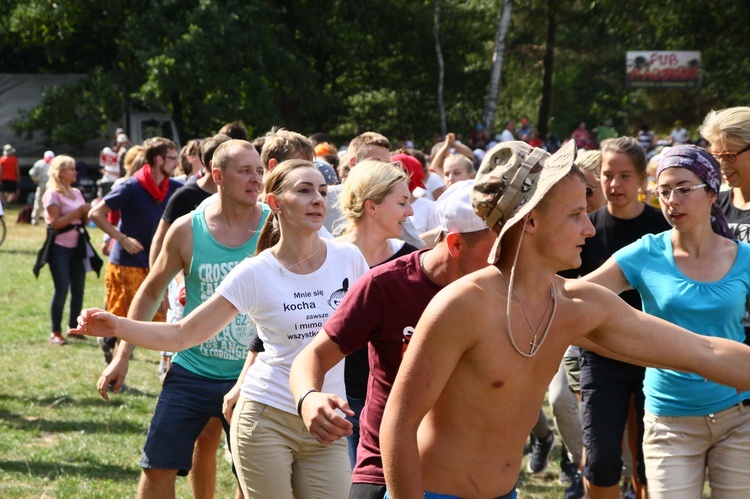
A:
(96, 322)
(321, 419)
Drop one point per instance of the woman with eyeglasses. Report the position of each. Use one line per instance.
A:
(607, 385)
(698, 277)
(728, 132)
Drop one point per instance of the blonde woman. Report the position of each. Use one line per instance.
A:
(288, 289)
(375, 202)
(728, 131)
(65, 211)
(590, 163)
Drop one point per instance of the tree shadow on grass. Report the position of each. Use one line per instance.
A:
(51, 470)
(21, 423)
(66, 400)
(93, 401)
(18, 251)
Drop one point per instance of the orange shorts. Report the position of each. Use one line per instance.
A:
(120, 285)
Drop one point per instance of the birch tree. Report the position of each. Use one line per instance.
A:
(490, 104)
(441, 69)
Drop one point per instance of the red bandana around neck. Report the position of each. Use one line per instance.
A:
(146, 179)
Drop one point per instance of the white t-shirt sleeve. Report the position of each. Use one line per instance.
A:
(433, 183)
(238, 287)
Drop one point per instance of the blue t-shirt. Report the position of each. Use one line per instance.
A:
(707, 308)
(139, 218)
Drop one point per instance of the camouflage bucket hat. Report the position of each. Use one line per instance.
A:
(513, 179)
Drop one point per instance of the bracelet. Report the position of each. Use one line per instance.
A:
(302, 399)
(122, 238)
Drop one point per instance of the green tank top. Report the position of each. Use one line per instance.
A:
(222, 356)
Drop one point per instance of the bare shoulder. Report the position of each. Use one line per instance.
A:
(586, 305)
(580, 290)
(462, 305)
(471, 291)
(179, 239)
(181, 230)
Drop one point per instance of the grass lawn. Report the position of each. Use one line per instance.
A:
(58, 438)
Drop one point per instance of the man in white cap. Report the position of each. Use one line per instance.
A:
(474, 377)
(382, 309)
(39, 174)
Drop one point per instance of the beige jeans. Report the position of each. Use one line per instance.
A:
(276, 458)
(679, 450)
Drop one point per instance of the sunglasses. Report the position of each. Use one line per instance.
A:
(590, 191)
(729, 157)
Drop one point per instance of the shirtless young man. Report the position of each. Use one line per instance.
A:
(474, 376)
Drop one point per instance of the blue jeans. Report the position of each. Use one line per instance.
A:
(356, 405)
(68, 272)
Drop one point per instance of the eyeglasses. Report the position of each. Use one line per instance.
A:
(590, 191)
(729, 157)
(173, 158)
(679, 192)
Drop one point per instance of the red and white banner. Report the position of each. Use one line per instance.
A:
(664, 69)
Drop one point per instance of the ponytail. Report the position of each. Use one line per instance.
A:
(269, 234)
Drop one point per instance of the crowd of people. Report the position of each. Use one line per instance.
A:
(403, 313)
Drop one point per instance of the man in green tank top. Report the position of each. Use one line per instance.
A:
(204, 245)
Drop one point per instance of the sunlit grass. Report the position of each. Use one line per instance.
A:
(58, 438)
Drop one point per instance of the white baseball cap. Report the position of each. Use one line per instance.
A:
(454, 210)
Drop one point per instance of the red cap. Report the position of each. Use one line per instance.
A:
(413, 167)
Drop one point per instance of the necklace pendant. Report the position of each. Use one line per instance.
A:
(281, 271)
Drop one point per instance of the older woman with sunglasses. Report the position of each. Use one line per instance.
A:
(728, 132)
(698, 277)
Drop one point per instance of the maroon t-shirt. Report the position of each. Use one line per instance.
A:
(382, 308)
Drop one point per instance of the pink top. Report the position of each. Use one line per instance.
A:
(67, 205)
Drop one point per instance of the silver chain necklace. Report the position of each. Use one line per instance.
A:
(282, 268)
(534, 346)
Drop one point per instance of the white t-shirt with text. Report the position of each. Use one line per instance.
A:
(289, 310)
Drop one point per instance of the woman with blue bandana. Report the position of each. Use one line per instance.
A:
(698, 277)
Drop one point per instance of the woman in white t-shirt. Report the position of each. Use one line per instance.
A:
(289, 289)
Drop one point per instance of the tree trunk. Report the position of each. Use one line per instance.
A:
(441, 70)
(490, 104)
(545, 107)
